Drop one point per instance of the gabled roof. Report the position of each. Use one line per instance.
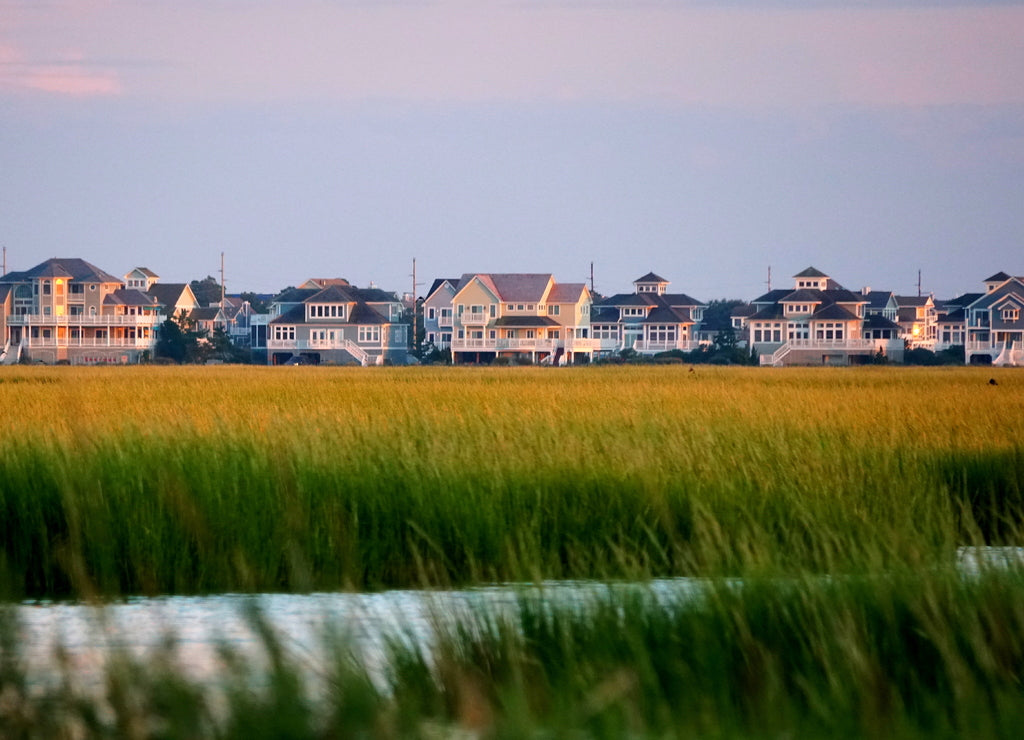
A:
(567, 292)
(956, 316)
(5, 290)
(999, 277)
(440, 282)
(144, 271)
(168, 294)
(879, 299)
(912, 300)
(515, 287)
(63, 267)
(811, 272)
(1014, 286)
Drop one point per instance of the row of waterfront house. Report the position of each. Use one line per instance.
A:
(68, 310)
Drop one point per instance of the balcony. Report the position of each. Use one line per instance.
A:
(685, 345)
(499, 345)
(444, 321)
(84, 321)
(111, 343)
(474, 318)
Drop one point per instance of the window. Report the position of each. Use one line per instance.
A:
(509, 307)
(530, 334)
(494, 310)
(661, 333)
(1011, 314)
(476, 309)
(46, 287)
(369, 334)
(606, 332)
(510, 334)
(430, 337)
(431, 315)
(554, 310)
(284, 333)
(520, 307)
(76, 289)
(633, 312)
(492, 334)
(553, 334)
(529, 307)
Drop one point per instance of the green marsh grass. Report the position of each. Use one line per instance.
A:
(175, 480)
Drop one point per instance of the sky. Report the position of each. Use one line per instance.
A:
(712, 142)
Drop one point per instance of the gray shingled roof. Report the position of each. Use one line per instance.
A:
(64, 267)
(438, 282)
(529, 322)
(166, 294)
(810, 272)
(833, 312)
(667, 315)
(650, 278)
(904, 301)
(566, 292)
(130, 297)
(804, 295)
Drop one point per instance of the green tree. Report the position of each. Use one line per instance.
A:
(206, 291)
(258, 304)
(171, 344)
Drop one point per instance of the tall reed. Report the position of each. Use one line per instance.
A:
(156, 480)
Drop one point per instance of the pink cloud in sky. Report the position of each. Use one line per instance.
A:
(462, 50)
(72, 77)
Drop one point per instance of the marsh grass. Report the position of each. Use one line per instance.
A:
(152, 480)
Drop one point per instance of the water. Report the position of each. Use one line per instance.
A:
(200, 625)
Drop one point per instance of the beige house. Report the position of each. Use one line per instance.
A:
(524, 316)
(68, 310)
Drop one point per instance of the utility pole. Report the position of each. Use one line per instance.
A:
(918, 283)
(591, 278)
(769, 281)
(5, 262)
(414, 335)
(222, 289)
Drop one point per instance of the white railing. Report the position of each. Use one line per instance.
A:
(91, 342)
(467, 318)
(579, 344)
(356, 351)
(444, 321)
(496, 345)
(685, 345)
(37, 320)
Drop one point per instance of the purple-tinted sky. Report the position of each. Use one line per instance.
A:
(702, 140)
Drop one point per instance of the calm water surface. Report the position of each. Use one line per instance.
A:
(200, 625)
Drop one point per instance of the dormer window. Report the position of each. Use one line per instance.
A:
(634, 312)
(1011, 314)
(325, 311)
